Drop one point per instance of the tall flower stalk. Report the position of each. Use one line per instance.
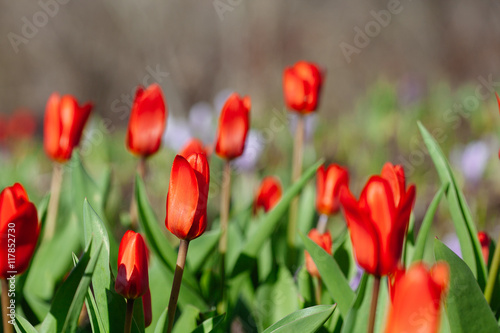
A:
(186, 213)
(301, 86)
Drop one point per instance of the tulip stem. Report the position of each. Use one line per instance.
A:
(224, 220)
(128, 316)
(373, 308)
(492, 276)
(318, 291)
(55, 193)
(7, 328)
(141, 170)
(296, 172)
(176, 285)
(323, 220)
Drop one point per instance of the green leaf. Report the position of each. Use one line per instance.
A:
(331, 274)
(304, 321)
(307, 208)
(162, 324)
(68, 301)
(201, 248)
(357, 318)
(268, 223)
(23, 326)
(155, 238)
(423, 233)
(110, 305)
(208, 325)
(465, 304)
(276, 299)
(460, 213)
(187, 320)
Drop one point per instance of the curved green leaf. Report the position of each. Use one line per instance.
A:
(23, 326)
(305, 321)
(460, 213)
(210, 324)
(465, 304)
(426, 224)
(268, 223)
(331, 274)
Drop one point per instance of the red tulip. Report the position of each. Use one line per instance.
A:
(329, 181)
(323, 240)
(268, 195)
(63, 126)
(19, 230)
(147, 121)
(417, 297)
(233, 127)
(4, 125)
(187, 197)
(379, 220)
(147, 308)
(194, 146)
(301, 85)
(485, 241)
(132, 279)
(22, 124)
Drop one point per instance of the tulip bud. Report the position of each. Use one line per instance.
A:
(19, 230)
(323, 240)
(63, 126)
(485, 241)
(233, 127)
(194, 146)
(416, 304)
(329, 181)
(379, 220)
(147, 122)
(187, 197)
(132, 279)
(301, 86)
(268, 194)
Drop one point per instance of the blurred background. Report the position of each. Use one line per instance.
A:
(388, 64)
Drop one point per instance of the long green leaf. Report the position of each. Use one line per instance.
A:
(305, 321)
(268, 223)
(23, 326)
(465, 304)
(210, 324)
(423, 233)
(332, 275)
(460, 213)
(68, 301)
(201, 248)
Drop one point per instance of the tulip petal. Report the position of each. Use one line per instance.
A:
(11, 198)
(364, 236)
(396, 178)
(199, 164)
(52, 126)
(182, 199)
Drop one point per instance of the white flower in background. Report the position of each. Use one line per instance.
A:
(202, 122)
(251, 154)
(472, 159)
(177, 133)
(451, 240)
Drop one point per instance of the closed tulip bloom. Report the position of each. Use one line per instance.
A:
(485, 241)
(233, 127)
(132, 279)
(379, 220)
(329, 181)
(148, 119)
(193, 146)
(268, 194)
(18, 219)
(416, 305)
(323, 240)
(63, 126)
(187, 196)
(301, 86)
